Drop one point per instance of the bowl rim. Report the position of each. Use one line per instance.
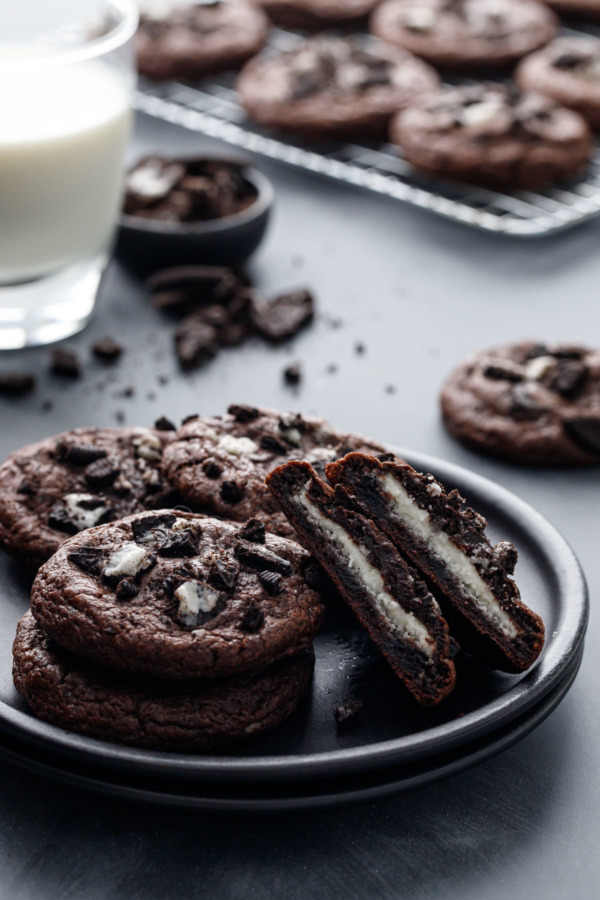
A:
(262, 204)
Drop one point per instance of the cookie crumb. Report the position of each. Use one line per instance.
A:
(107, 350)
(347, 713)
(64, 363)
(16, 384)
(292, 374)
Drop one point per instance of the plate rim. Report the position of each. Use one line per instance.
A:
(390, 784)
(545, 674)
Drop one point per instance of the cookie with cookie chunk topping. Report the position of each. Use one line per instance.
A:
(191, 40)
(568, 71)
(219, 463)
(493, 135)
(187, 717)
(314, 15)
(530, 403)
(331, 87)
(178, 595)
(75, 480)
(466, 34)
(447, 543)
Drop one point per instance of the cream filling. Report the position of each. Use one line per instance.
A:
(405, 622)
(129, 560)
(194, 598)
(458, 563)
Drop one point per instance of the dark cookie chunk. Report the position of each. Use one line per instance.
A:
(253, 620)
(195, 341)
(493, 135)
(16, 384)
(107, 350)
(533, 420)
(193, 40)
(466, 34)
(390, 600)
(446, 541)
(219, 464)
(567, 71)
(253, 530)
(346, 714)
(333, 87)
(181, 623)
(78, 479)
(284, 316)
(190, 717)
(164, 424)
(315, 15)
(65, 363)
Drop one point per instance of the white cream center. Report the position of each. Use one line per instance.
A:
(459, 564)
(405, 622)
(193, 599)
(81, 517)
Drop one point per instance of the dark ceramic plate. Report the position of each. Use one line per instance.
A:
(392, 731)
(297, 795)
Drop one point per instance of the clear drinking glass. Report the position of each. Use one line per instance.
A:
(66, 81)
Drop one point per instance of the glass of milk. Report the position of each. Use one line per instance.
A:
(66, 83)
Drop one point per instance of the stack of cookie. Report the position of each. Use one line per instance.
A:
(162, 627)
(169, 630)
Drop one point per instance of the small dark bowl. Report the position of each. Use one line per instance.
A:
(146, 245)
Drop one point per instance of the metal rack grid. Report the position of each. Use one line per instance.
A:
(211, 108)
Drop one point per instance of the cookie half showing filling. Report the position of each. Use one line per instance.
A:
(387, 596)
(188, 717)
(446, 541)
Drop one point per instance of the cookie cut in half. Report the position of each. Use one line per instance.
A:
(141, 712)
(178, 596)
(387, 595)
(446, 541)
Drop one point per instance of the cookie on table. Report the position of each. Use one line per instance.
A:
(75, 480)
(197, 39)
(140, 712)
(528, 403)
(466, 34)
(567, 71)
(314, 15)
(333, 87)
(388, 597)
(220, 463)
(177, 595)
(446, 542)
(495, 136)
(587, 9)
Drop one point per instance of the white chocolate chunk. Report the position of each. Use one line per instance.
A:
(322, 453)
(81, 517)
(292, 436)
(538, 367)
(242, 446)
(419, 18)
(458, 563)
(128, 560)
(148, 447)
(405, 622)
(211, 434)
(194, 598)
(482, 113)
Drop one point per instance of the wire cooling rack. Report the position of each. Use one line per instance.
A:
(212, 108)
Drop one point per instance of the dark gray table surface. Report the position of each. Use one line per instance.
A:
(421, 294)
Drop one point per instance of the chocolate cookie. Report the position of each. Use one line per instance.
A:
(332, 87)
(74, 480)
(567, 71)
(588, 9)
(446, 541)
(529, 403)
(176, 595)
(198, 39)
(314, 15)
(493, 135)
(390, 600)
(466, 34)
(221, 462)
(194, 716)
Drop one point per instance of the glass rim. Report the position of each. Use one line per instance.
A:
(93, 48)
